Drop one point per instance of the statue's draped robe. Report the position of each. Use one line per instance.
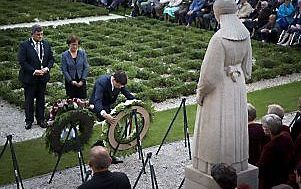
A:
(221, 131)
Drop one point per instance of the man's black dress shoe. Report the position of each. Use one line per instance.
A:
(116, 160)
(42, 124)
(28, 126)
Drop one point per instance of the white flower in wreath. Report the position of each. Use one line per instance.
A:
(75, 105)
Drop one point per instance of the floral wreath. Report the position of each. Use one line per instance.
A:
(66, 115)
(107, 131)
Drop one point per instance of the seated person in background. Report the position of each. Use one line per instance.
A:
(224, 175)
(295, 27)
(244, 10)
(180, 14)
(256, 136)
(270, 31)
(99, 162)
(279, 111)
(115, 4)
(285, 14)
(276, 158)
(105, 92)
(209, 21)
(260, 16)
(158, 9)
(169, 10)
(75, 68)
(194, 11)
(147, 7)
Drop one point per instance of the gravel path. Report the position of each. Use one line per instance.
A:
(55, 23)
(267, 83)
(12, 118)
(169, 168)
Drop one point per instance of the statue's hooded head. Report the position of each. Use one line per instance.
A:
(221, 7)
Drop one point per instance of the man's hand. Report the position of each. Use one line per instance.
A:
(38, 72)
(109, 118)
(190, 12)
(79, 84)
(45, 70)
(74, 83)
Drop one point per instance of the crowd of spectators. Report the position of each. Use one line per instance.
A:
(275, 148)
(273, 21)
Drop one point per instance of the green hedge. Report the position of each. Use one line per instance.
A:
(19, 11)
(162, 60)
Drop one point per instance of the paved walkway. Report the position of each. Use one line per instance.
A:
(12, 117)
(55, 23)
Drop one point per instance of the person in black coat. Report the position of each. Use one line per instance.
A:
(75, 68)
(99, 162)
(257, 137)
(105, 92)
(276, 161)
(36, 59)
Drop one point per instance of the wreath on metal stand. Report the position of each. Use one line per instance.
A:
(121, 135)
(75, 113)
(64, 115)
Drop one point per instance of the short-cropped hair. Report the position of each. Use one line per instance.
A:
(73, 39)
(276, 109)
(251, 112)
(120, 77)
(224, 175)
(36, 28)
(99, 159)
(273, 122)
(282, 186)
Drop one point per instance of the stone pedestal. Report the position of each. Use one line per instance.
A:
(195, 179)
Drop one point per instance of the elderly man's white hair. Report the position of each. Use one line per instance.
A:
(265, 4)
(273, 122)
(276, 109)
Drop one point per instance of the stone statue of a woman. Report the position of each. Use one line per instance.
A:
(221, 122)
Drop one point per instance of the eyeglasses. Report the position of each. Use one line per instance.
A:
(74, 44)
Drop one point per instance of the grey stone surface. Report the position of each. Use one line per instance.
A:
(169, 167)
(55, 23)
(198, 180)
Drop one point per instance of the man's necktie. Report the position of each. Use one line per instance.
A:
(37, 47)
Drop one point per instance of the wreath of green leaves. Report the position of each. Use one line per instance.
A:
(82, 119)
(122, 107)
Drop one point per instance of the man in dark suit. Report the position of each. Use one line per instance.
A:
(105, 92)
(99, 161)
(36, 59)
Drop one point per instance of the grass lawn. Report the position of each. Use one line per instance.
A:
(19, 11)
(161, 59)
(34, 159)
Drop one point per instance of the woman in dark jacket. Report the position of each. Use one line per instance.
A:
(75, 68)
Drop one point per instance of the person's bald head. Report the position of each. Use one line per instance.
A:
(99, 158)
